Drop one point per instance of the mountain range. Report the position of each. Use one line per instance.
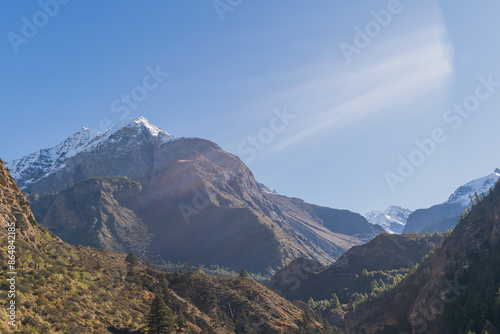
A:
(437, 218)
(455, 288)
(186, 200)
(409, 283)
(446, 215)
(137, 188)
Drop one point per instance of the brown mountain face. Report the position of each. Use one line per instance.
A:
(184, 200)
(453, 290)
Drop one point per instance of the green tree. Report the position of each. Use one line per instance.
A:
(243, 273)
(132, 260)
(471, 200)
(244, 325)
(489, 328)
(476, 198)
(160, 318)
(163, 290)
(305, 326)
(181, 321)
(334, 301)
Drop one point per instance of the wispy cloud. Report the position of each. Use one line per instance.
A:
(393, 74)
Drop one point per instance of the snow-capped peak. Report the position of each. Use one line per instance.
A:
(392, 220)
(479, 186)
(38, 165)
(140, 123)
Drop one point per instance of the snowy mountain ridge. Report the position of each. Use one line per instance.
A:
(392, 220)
(479, 186)
(44, 162)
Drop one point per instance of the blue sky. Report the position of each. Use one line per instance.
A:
(351, 119)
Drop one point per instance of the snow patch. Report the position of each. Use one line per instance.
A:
(392, 220)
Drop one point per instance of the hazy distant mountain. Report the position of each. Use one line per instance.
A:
(393, 219)
(442, 216)
(135, 187)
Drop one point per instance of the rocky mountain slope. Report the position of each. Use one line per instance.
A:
(393, 219)
(453, 290)
(72, 289)
(137, 188)
(443, 216)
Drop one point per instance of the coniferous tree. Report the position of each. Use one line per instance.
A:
(334, 301)
(489, 328)
(410, 264)
(160, 318)
(163, 290)
(306, 324)
(132, 260)
(244, 325)
(243, 273)
(471, 199)
(476, 197)
(181, 321)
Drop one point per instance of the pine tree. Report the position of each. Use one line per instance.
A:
(305, 326)
(489, 328)
(181, 321)
(164, 291)
(471, 200)
(243, 273)
(132, 260)
(476, 197)
(410, 264)
(244, 325)
(160, 318)
(334, 301)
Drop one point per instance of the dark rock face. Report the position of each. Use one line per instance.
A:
(99, 212)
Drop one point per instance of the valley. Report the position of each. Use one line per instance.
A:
(195, 216)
